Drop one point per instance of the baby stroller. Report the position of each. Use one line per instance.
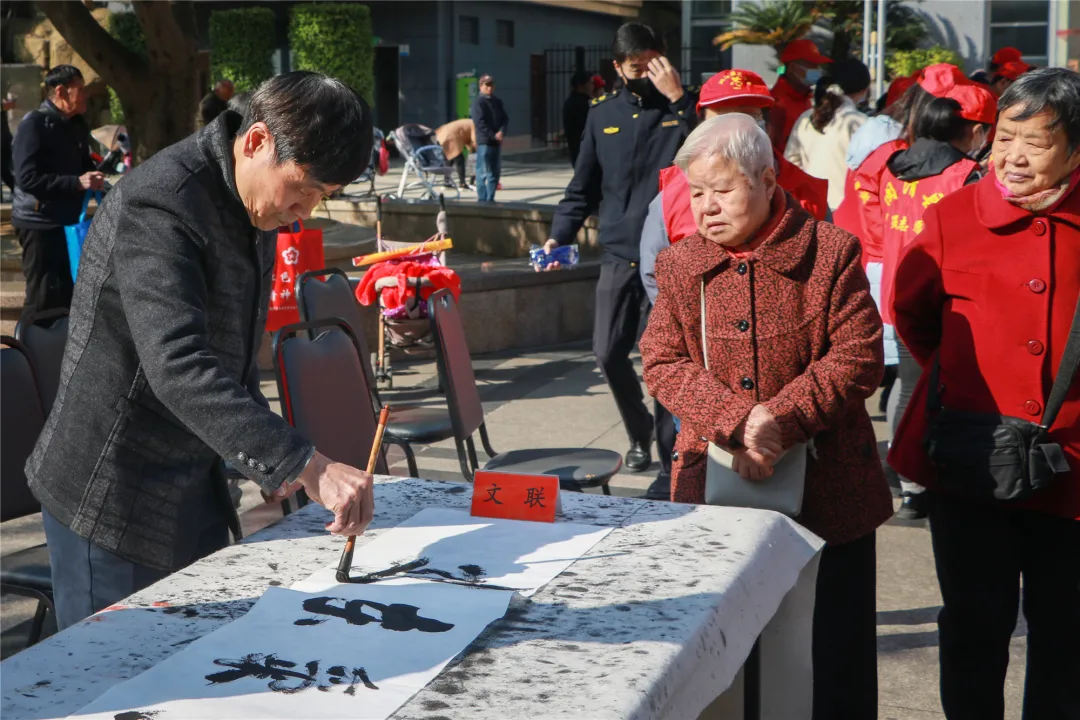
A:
(424, 158)
(380, 161)
(403, 320)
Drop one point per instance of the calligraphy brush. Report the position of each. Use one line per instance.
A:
(346, 555)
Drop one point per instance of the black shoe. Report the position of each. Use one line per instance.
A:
(913, 508)
(660, 488)
(638, 457)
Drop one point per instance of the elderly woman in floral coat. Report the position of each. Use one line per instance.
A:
(795, 349)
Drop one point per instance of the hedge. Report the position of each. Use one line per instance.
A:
(902, 63)
(124, 27)
(241, 46)
(335, 39)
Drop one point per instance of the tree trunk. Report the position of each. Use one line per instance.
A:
(157, 91)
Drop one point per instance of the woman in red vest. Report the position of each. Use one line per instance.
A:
(949, 131)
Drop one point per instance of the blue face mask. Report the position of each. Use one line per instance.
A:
(812, 77)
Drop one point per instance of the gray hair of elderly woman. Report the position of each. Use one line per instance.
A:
(735, 137)
(1053, 89)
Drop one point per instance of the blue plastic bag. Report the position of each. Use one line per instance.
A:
(76, 234)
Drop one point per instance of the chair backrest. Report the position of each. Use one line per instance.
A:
(334, 298)
(45, 336)
(21, 420)
(324, 390)
(455, 365)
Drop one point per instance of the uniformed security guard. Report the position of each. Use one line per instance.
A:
(630, 135)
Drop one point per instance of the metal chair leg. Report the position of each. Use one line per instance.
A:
(39, 622)
(410, 460)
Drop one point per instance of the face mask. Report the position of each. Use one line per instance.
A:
(642, 87)
(763, 125)
(813, 75)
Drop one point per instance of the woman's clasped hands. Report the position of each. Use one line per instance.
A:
(762, 445)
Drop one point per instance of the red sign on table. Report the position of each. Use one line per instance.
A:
(515, 497)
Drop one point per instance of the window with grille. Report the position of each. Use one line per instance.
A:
(504, 33)
(468, 30)
(1022, 24)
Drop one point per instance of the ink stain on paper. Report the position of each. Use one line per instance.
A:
(137, 715)
(398, 617)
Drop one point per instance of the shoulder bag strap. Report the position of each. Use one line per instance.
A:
(704, 345)
(1066, 371)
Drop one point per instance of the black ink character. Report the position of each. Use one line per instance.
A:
(535, 497)
(137, 715)
(491, 494)
(264, 667)
(396, 616)
(282, 678)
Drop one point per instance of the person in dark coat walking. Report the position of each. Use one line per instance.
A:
(7, 174)
(215, 102)
(53, 171)
(630, 136)
(160, 365)
(575, 111)
(490, 118)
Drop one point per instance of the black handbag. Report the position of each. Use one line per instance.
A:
(996, 457)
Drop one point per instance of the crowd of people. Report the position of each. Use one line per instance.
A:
(789, 244)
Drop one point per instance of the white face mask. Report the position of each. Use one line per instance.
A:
(763, 125)
(812, 76)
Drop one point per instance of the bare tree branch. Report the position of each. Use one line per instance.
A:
(118, 67)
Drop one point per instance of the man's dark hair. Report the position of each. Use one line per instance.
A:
(240, 102)
(580, 78)
(1053, 89)
(318, 122)
(61, 75)
(634, 39)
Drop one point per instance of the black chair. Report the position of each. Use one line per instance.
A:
(576, 468)
(45, 334)
(324, 390)
(334, 298)
(25, 572)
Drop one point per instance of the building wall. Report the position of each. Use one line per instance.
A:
(962, 25)
(536, 28)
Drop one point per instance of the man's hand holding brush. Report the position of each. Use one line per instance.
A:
(343, 490)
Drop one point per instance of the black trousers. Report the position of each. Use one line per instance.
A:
(620, 302)
(459, 163)
(47, 269)
(982, 551)
(665, 436)
(845, 632)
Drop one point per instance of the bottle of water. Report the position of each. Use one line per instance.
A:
(565, 255)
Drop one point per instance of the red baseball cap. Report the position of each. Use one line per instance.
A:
(1012, 69)
(735, 87)
(948, 81)
(1005, 55)
(899, 86)
(804, 50)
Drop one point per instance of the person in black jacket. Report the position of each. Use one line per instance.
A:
(6, 172)
(490, 118)
(165, 326)
(575, 110)
(215, 102)
(630, 135)
(53, 171)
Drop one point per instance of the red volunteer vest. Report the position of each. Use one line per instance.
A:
(903, 206)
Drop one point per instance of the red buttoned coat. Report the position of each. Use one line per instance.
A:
(792, 326)
(993, 288)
